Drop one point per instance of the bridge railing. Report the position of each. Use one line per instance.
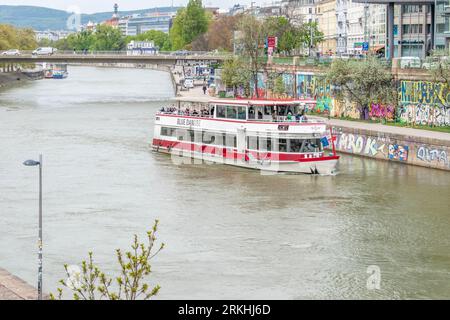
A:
(161, 54)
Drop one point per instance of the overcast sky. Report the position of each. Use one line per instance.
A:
(89, 6)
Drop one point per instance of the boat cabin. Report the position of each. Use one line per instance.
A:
(243, 110)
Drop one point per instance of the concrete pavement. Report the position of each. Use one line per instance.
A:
(14, 288)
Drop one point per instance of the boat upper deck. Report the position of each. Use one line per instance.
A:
(245, 110)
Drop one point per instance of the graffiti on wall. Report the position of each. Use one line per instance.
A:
(371, 146)
(312, 86)
(432, 156)
(288, 80)
(425, 114)
(398, 152)
(380, 111)
(360, 144)
(424, 103)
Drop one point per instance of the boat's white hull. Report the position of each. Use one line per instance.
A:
(322, 167)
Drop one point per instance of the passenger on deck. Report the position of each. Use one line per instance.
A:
(289, 116)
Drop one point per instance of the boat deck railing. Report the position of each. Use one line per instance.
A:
(278, 119)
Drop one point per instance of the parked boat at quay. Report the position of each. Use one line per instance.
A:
(55, 71)
(270, 135)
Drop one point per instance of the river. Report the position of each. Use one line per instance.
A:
(230, 233)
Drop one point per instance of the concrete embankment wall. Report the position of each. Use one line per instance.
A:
(414, 150)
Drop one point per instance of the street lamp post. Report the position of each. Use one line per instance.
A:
(33, 163)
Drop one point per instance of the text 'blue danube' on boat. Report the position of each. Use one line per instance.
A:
(272, 135)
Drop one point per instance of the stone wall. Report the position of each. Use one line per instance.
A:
(413, 150)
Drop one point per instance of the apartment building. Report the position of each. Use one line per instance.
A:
(327, 23)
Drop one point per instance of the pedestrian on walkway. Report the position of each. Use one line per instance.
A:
(204, 88)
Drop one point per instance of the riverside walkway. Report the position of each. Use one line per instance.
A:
(411, 132)
(14, 288)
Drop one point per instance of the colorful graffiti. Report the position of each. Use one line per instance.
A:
(379, 111)
(312, 86)
(432, 155)
(397, 152)
(288, 80)
(424, 103)
(360, 144)
(371, 146)
(425, 115)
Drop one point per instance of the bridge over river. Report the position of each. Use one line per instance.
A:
(114, 57)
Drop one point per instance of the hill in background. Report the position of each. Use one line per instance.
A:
(39, 18)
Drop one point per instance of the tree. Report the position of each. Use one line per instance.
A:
(439, 66)
(311, 29)
(364, 82)
(92, 284)
(221, 32)
(78, 41)
(234, 74)
(280, 87)
(107, 38)
(16, 38)
(189, 23)
(251, 40)
(175, 33)
(161, 39)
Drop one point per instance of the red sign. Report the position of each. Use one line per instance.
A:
(272, 42)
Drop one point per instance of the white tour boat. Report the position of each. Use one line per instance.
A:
(272, 135)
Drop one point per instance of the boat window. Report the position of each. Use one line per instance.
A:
(268, 110)
(259, 113)
(168, 132)
(265, 144)
(231, 140)
(221, 112)
(311, 145)
(282, 145)
(252, 143)
(241, 113)
(295, 145)
(213, 138)
(231, 112)
(251, 112)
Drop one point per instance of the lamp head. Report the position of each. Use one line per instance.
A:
(31, 163)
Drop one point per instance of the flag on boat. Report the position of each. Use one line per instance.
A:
(325, 142)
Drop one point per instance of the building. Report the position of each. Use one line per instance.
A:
(415, 27)
(114, 21)
(302, 10)
(142, 23)
(139, 48)
(51, 35)
(327, 23)
(412, 30)
(236, 9)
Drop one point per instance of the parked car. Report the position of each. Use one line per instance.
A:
(11, 52)
(44, 51)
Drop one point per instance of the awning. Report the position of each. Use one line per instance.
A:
(377, 48)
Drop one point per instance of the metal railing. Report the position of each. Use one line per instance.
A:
(161, 54)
